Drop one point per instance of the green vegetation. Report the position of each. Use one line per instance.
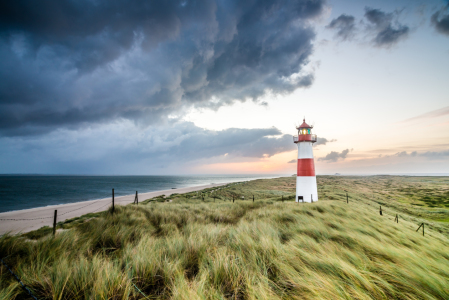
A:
(416, 199)
(181, 247)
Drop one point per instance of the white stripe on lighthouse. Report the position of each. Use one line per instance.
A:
(305, 150)
(307, 188)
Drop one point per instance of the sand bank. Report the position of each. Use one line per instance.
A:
(32, 219)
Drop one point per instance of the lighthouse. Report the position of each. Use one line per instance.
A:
(306, 189)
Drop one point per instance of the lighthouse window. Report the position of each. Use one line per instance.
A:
(308, 131)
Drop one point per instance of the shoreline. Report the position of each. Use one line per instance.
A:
(25, 220)
(98, 199)
(23, 192)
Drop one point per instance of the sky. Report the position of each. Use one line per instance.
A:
(218, 87)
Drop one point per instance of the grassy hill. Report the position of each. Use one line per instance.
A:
(185, 247)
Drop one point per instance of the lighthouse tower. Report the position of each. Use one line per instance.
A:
(306, 189)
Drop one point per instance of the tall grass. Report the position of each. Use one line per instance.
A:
(190, 249)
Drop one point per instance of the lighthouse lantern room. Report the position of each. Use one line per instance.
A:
(306, 188)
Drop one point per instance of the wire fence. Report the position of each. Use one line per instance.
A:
(42, 218)
(213, 194)
(23, 286)
(392, 210)
(67, 212)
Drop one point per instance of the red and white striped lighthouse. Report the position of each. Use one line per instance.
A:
(306, 189)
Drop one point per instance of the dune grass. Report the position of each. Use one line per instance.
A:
(413, 198)
(182, 247)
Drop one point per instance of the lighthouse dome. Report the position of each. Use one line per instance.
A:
(304, 125)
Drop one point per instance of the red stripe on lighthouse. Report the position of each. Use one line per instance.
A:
(306, 167)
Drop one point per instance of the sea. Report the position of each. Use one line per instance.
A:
(19, 192)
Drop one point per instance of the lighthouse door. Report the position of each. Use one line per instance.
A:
(300, 199)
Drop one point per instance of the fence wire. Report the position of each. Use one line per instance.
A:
(18, 279)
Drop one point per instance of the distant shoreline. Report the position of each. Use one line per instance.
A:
(21, 221)
(22, 192)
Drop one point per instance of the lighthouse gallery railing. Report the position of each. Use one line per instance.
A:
(304, 137)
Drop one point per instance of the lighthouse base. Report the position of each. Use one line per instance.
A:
(306, 189)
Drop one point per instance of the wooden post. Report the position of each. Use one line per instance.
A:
(311, 197)
(136, 199)
(112, 200)
(253, 198)
(54, 222)
(380, 210)
(422, 224)
(232, 199)
(347, 198)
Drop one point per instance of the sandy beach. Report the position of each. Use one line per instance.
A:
(32, 219)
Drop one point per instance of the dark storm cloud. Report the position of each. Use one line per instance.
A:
(388, 31)
(384, 28)
(333, 156)
(98, 31)
(440, 20)
(345, 26)
(74, 63)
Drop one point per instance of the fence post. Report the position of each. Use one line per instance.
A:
(347, 198)
(253, 198)
(232, 199)
(380, 210)
(422, 224)
(112, 200)
(54, 222)
(136, 199)
(311, 197)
